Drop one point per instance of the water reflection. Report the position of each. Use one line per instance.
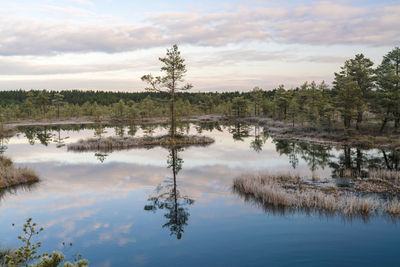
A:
(239, 131)
(3, 144)
(168, 197)
(14, 190)
(315, 155)
(356, 162)
(281, 210)
(107, 207)
(348, 162)
(60, 141)
(260, 137)
(208, 126)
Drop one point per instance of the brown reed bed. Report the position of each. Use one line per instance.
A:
(12, 176)
(119, 143)
(392, 175)
(290, 191)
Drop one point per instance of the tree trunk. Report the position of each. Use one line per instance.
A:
(173, 114)
(347, 121)
(386, 159)
(359, 119)
(396, 121)
(359, 161)
(384, 122)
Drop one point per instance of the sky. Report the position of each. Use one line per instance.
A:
(228, 45)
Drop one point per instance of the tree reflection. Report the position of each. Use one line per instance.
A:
(167, 197)
(3, 145)
(208, 126)
(119, 130)
(40, 133)
(356, 162)
(259, 139)
(132, 129)
(288, 148)
(315, 155)
(148, 129)
(239, 131)
(101, 156)
(59, 140)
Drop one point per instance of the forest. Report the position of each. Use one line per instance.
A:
(361, 97)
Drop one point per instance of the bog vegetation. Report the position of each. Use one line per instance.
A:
(290, 191)
(11, 175)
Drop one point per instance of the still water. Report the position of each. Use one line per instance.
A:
(165, 207)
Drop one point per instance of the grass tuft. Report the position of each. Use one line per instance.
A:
(12, 176)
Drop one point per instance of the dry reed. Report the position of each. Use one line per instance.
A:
(119, 143)
(384, 174)
(11, 175)
(287, 191)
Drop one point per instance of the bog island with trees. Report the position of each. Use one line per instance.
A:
(359, 111)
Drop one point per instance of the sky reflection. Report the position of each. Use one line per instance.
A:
(100, 207)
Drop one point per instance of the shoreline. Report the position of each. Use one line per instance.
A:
(277, 129)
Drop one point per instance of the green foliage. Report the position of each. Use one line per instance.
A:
(28, 252)
(388, 91)
(174, 70)
(239, 106)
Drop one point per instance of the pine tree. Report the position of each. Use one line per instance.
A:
(175, 69)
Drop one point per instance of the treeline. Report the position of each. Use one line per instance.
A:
(40, 104)
(359, 97)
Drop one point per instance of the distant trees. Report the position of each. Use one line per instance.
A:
(58, 101)
(257, 94)
(175, 70)
(42, 100)
(239, 106)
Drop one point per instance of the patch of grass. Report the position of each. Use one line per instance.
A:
(12, 176)
(384, 174)
(286, 191)
(119, 143)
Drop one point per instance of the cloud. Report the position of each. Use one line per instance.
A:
(82, 2)
(31, 37)
(14, 66)
(317, 23)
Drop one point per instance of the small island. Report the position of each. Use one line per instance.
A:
(119, 143)
(12, 176)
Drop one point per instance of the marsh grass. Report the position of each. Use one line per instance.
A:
(392, 175)
(288, 191)
(12, 176)
(119, 143)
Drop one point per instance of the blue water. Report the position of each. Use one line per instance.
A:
(99, 207)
